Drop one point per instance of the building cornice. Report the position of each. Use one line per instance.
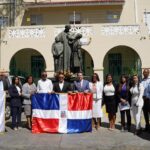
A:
(74, 3)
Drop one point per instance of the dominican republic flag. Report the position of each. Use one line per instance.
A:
(62, 113)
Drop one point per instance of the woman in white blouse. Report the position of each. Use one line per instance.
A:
(96, 87)
(110, 101)
(137, 91)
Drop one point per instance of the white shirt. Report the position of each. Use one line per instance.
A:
(44, 86)
(99, 89)
(109, 90)
(61, 85)
(1, 86)
(18, 89)
(81, 82)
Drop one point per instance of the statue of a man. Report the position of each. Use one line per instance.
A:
(57, 51)
(65, 36)
(76, 56)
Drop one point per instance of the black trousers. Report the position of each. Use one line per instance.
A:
(16, 116)
(146, 111)
(128, 115)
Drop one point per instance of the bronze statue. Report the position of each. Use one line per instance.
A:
(67, 51)
(76, 55)
(64, 38)
(57, 51)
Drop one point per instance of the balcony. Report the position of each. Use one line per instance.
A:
(56, 3)
(118, 30)
(40, 32)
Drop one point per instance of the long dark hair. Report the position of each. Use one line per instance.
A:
(97, 77)
(107, 77)
(14, 78)
(13, 81)
(133, 84)
(121, 83)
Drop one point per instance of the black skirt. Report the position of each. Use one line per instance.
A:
(111, 104)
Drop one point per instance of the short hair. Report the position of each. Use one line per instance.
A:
(79, 72)
(68, 26)
(60, 73)
(43, 72)
(146, 69)
(30, 76)
(78, 36)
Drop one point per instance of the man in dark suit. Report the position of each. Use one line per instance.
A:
(61, 86)
(81, 85)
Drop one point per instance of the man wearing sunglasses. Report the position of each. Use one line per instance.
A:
(44, 85)
(62, 86)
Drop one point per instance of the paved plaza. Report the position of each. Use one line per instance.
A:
(103, 139)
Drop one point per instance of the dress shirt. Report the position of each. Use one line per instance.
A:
(44, 86)
(1, 86)
(18, 89)
(145, 83)
(81, 82)
(61, 84)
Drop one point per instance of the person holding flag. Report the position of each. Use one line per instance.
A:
(44, 85)
(61, 86)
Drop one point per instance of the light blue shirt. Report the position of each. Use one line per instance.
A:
(1, 86)
(146, 84)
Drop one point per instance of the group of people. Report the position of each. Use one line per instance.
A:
(130, 95)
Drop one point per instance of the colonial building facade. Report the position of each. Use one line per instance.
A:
(116, 35)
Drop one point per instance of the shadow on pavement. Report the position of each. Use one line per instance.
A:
(145, 135)
(23, 124)
(106, 125)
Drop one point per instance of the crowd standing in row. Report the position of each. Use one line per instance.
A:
(129, 95)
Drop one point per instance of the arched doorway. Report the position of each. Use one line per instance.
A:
(122, 60)
(27, 62)
(88, 64)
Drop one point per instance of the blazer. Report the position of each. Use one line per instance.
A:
(14, 96)
(26, 92)
(126, 96)
(85, 86)
(137, 95)
(65, 89)
(99, 89)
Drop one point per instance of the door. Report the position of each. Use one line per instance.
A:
(37, 66)
(115, 65)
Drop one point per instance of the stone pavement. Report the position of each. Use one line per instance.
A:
(103, 139)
